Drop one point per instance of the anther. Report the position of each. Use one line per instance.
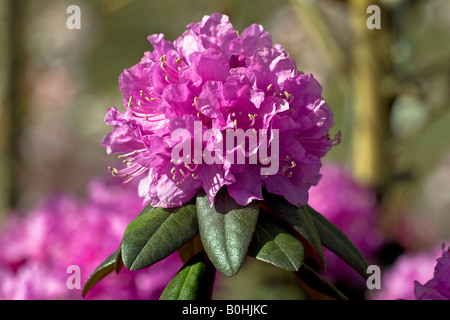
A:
(130, 102)
(114, 171)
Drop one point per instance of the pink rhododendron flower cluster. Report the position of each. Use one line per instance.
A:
(353, 209)
(397, 281)
(225, 81)
(438, 288)
(38, 248)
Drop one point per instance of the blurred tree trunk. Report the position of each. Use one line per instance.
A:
(370, 124)
(13, 98)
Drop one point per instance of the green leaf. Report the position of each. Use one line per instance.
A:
(157, 233)
(226, 230)
(273, 244)
(105, 268)
(300, 219)
(335, 240)
(194, 281)
(146, 209)
(118, 263)
(322, 289)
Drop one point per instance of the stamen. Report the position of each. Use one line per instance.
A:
(133, 153)
(287, 165)
(150, 118)
(192, 171)
(189, 167)
(129, 172)
(113, 171)
(252, 118)
(130, 102)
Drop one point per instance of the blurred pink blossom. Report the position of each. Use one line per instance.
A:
(352, 208)
(38, 248)
(437, 288)
(397, 281)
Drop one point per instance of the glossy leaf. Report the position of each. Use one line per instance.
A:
(226, 230)
(194, 281)
(105, 268)
(335, 240)
(275, 245)
(300, 219)
(156, 234)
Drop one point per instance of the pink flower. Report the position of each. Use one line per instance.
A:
(38, 248)
(397, 281)
(352, 208)
(438, 288)
(212, 76)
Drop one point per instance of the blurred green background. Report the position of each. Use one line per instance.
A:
(388, 89)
